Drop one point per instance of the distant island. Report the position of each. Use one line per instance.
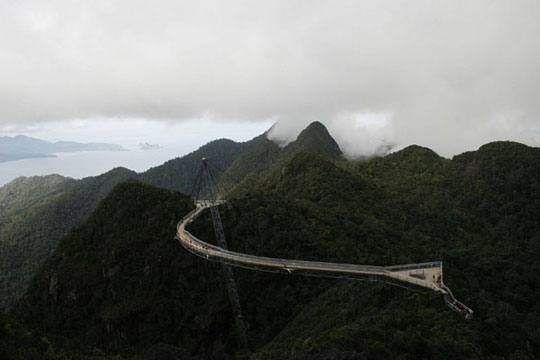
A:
(24, 147)
(149, 146)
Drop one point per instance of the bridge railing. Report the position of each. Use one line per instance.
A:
(212, 250)
(205, 250)
(426, 265)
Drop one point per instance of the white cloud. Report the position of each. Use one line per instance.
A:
(445, 70)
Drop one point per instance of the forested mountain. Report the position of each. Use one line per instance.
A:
(265, 154)
(35, 212)
(120, 284)
(240, 159)
(24, 191)
(179, 174)
(32, 223)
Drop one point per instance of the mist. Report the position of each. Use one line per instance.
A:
(447, 75)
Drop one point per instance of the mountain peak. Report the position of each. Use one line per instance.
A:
(316, 125)
(315, 139)
(502, 152)
(417, 151)
(316, 128)
(503, 147)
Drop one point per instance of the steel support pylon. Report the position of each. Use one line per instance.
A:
(228, 274)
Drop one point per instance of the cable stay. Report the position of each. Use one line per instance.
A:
(422, 275)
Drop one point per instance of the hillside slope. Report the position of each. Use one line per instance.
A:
(35, 212)
(121, 284)
(25, 191)
(266, 154)
(179, 174)
(32, 227)
(52, 205)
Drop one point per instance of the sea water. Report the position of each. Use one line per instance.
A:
(86, 163)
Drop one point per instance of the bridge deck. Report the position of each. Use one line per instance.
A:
(428, 275)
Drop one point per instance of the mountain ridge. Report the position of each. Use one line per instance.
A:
(250, 160)
(117, 282)
(265, 154)
(31, 230)
(122, 284)
(176, 174)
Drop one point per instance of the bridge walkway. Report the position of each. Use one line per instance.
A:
(427, 275)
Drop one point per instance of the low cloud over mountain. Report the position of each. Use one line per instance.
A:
(449, 75)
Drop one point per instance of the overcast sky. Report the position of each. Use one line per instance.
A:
(450, 75)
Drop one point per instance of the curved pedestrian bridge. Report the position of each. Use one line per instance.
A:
(426, 275)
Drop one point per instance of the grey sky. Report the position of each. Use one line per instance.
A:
(450, 75)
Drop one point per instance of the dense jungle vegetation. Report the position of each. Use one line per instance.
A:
(36, 212)
(119, 286)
